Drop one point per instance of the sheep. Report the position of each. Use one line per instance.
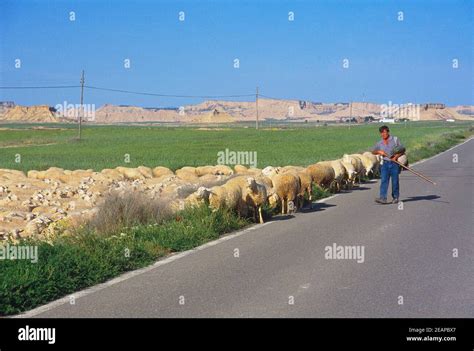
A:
(367, 163)
(240, 169)
(340, 173)
(214, 170)
(306, 186)
(265, 181)
(291, 168)
(12, 174)
(240, 193)
(161, 171)
(286, 188)
(33, 174)
(351, 173)
(403, 160)
(187, 174)
(145, 171)
(254, 171)
(227, 196)
(223, 170)
(270, 171)
(218, 197)
(203, 170)
(375, 160)
(187, 169)
(305, 181)
(357, 163)
(112, 174)
(255, 196)
(198, 197)
(165, 179)
(322, 174)
(130, 173)
(81, 173)
(52, 172)
(210, 178)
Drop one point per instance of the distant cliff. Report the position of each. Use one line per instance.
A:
(214, 111)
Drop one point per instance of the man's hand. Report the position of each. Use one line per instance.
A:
(380, 152)
(395, 157)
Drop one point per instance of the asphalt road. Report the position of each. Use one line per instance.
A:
(281, 269)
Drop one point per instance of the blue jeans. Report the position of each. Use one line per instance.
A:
(389, 169)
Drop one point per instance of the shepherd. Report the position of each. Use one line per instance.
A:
(390, 148)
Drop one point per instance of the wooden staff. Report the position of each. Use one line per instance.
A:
(415, 172)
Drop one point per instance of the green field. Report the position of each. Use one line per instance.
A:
(174, 147)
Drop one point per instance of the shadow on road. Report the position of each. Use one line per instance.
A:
(425, 197)
(281, 217)
(359, 188)
(319, 206)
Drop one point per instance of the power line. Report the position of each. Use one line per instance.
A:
(167, 95)
(43, 87)
(273, 98)
(127, 91)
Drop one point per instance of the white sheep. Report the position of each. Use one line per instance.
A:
(227, 196)
(350, 172)
(357, 163)
(372, 167)
(200, 196)
(240, 193)
(255, 196)
(270, 171)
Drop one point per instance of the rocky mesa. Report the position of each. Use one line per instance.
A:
(218, 111)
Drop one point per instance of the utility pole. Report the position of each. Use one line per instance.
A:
(350, 117)
(82, 104)
(256, 106)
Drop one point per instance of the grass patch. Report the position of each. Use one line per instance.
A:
(117, 212)
(73, 263)
(173, 147)
(430, 146)
(319, 193)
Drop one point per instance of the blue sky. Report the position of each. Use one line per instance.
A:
(389, 60)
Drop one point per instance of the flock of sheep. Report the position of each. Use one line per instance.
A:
(31, 204)
(250, 189)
